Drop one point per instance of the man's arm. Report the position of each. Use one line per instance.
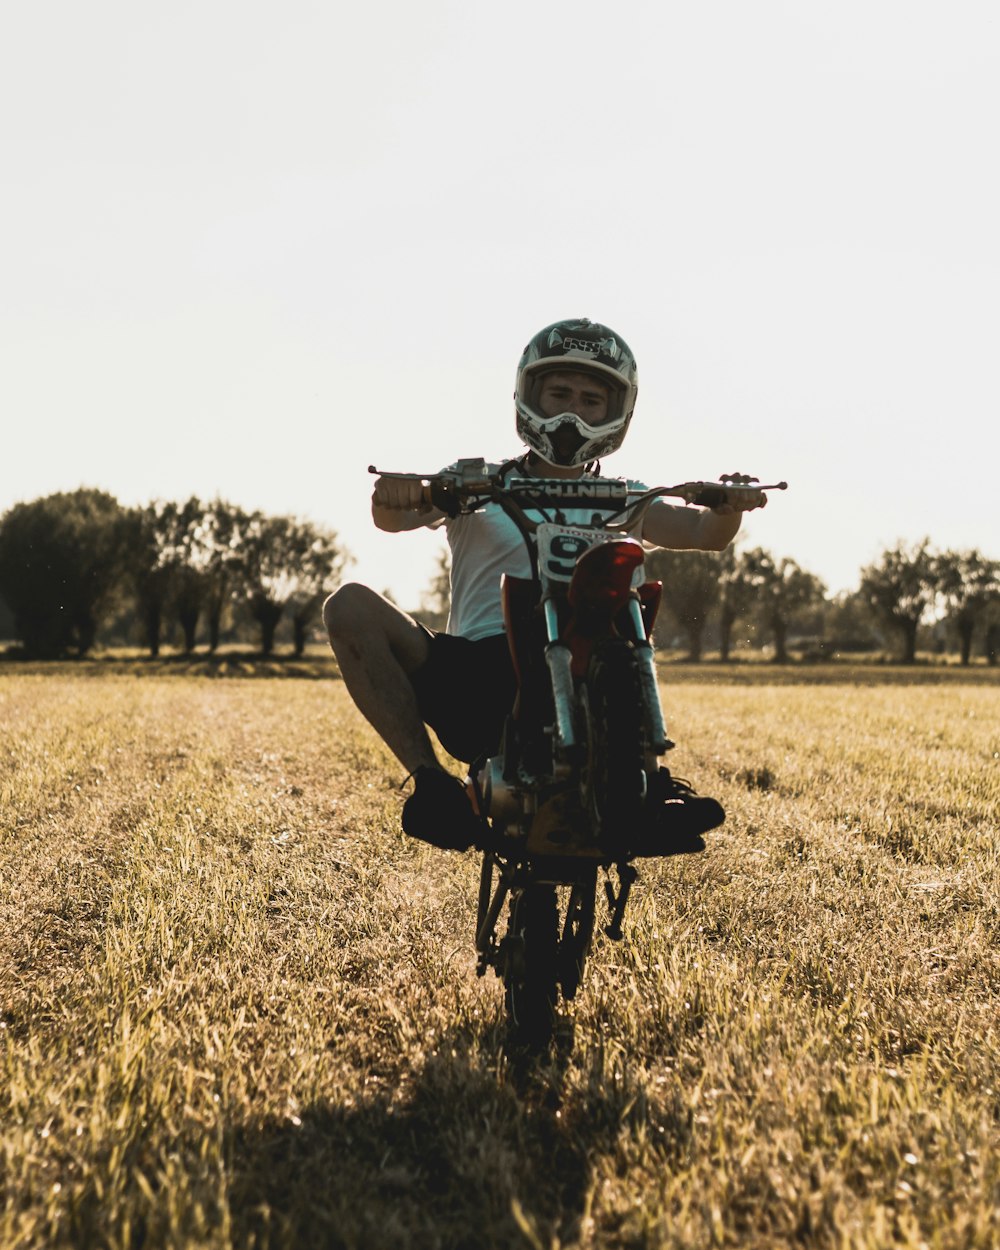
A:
(398, 504)
(697, 529)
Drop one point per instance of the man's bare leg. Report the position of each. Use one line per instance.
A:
(377, 648)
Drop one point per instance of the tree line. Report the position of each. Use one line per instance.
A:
(75, 564)
(911, 587)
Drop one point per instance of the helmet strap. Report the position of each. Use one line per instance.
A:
(518, 462)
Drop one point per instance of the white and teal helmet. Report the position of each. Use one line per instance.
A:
(579, 346)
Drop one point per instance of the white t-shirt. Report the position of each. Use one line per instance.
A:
(485, 544)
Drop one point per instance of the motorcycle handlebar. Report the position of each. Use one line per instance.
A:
(449, 492)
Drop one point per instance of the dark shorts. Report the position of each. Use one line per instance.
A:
(465, 691)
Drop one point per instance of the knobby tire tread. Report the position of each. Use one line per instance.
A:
(618, 750)
(532, 978)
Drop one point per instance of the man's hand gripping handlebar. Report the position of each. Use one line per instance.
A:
(420, 492)
(734, 492)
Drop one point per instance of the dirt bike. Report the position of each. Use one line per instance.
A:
(564, 796)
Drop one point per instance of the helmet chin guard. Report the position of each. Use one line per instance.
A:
(579, 346)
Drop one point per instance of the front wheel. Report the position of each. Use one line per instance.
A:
(614, 780)
(531, 966)
(578, 931)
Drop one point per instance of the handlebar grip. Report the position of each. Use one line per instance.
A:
(711, 497)
(442, 495)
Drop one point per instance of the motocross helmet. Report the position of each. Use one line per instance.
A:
(578, 346)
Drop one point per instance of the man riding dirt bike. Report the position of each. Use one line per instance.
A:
(574, 399)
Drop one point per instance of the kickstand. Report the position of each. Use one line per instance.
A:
(617, 902)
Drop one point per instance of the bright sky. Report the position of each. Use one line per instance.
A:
(247, 249)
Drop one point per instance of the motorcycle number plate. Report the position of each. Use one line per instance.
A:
(559, 548)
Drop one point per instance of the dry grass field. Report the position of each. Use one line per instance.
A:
(238, 1008)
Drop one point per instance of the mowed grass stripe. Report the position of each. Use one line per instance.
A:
(239, 1008)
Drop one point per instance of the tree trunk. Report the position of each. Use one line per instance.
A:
(965, 640)
(268, 615)
(214, 625)
(780, 631)
(86, 632)
(726, 624)
(909, 629)
(992, 644)
(215, 605)
(695, 631)
(299, 626)
(153, 620)
(188, 618)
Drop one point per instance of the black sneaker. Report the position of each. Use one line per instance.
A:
(439, 812)
(676, 817)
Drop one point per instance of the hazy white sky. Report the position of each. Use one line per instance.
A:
(248, 249)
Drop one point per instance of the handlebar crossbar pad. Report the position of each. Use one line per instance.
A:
(569, 492)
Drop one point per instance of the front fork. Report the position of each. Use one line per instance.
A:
(652, 709)
(559, 659)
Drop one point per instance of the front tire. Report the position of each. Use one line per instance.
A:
(531, 970)
(614, 778)
(578, 932)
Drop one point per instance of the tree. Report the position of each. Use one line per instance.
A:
(320, 567)
(285, 561)
(169, 567)
(991, 643)
(61, 562)
(191, 553)
(690, 590)
(783, 590)
(848, 624)
(901, 589)
(221, 537)
(737, 595)
(968, 584)
(148, 576)
(188, 559)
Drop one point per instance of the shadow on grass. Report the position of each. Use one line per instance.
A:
(471, 1153)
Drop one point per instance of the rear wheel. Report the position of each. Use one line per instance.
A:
(531, 966)
(614, 777)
